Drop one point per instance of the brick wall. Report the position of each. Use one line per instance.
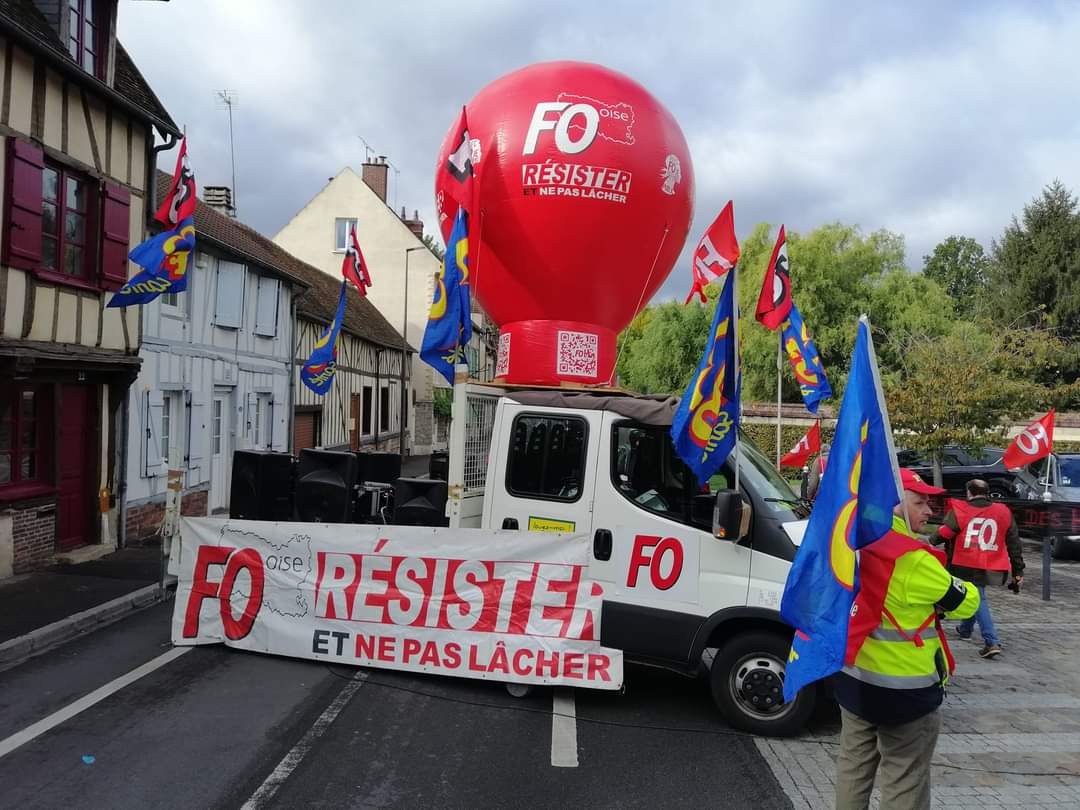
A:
(144, 521)
(33, 535)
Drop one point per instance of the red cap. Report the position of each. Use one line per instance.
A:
(911, 480)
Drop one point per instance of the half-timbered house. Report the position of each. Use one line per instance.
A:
(217, 370)
(78, 122)
(362, 409)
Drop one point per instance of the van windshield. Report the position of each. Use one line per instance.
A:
(760, 474)
(647, 471)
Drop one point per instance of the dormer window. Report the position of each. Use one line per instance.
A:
(85, 40)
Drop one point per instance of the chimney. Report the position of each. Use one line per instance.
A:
(374, 174)
(416, 225)
(220, 199)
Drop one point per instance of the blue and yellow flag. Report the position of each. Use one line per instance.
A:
(318, 372)
(164, 259)
(706, 423)
(854, 507)
(449, 325)
(805, 361)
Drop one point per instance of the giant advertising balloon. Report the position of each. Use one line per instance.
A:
(584, 192)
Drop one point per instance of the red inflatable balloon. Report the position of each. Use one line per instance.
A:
(584, 191)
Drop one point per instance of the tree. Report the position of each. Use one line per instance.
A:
(961, 267)
(434, 247)
(1035, 269)
(837, 274)
(955, 389)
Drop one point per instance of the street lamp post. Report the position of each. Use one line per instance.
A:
(405, 353)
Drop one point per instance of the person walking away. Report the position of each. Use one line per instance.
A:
(898, 661)
(983, 546)
(817, 470)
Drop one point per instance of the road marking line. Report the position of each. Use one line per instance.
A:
(296, 754)
(563, 729)
(85, 702)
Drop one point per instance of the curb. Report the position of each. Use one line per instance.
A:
(17, 650)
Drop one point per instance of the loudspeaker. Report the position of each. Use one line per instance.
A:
(439, 465)
(383, 468)
(420, 502)
(262, 485)
(325, 486)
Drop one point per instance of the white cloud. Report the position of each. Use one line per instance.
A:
(926, 119)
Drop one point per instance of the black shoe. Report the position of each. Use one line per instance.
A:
(990, 651)
(961, 636)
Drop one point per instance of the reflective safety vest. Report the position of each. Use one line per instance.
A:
(980, 536)
(892, 642)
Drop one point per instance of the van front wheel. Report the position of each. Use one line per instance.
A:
(747, 680)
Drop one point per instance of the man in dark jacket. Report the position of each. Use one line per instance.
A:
(983, 545)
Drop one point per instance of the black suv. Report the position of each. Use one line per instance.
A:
(958, 466)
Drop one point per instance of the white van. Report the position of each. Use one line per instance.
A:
(687, 574)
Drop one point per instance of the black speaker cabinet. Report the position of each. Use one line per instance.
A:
(420, 502)
(262, 485)
(382, 468)
(325, 486)
(439, 465)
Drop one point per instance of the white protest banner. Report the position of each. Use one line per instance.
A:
(505, 606)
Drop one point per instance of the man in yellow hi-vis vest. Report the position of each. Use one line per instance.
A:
(897, 661)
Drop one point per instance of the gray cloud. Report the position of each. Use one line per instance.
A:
(922, 118)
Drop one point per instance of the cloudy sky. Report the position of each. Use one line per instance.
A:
(925, 118)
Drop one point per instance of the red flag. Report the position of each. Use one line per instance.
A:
(353, 266)
(807, 446)
(179, 203)
(461, 163)
(716, 253)
(1035, 442)
(774, 303)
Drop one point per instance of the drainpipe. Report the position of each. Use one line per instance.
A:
(291, 416)
(121, 495)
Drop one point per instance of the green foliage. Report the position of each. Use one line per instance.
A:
(436, 249)
(1035, 273)
(442, 401)
(962, 268)
(957, 388)
(662, 347)
(763, 435)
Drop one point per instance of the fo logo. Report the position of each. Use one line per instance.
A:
(576, 121)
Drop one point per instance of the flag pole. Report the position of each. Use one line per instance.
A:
(885, 418)
(779, 390)
(738, 369)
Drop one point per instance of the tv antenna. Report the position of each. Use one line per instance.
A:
(368, 151)
(228, 99)
(397, 175)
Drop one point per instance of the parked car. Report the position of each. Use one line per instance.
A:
(958, 466)
(1063, 485)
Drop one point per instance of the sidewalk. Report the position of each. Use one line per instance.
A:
(47, 607)
(1011, 726)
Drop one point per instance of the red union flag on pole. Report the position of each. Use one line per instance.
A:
(807, 446)
(353, 266)
(774, 302)
(716, 253)
(179, 203)
(1034, 442)
(461, 163)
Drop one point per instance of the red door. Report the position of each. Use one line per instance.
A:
(77, 440)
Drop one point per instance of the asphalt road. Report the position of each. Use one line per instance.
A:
(217, 728)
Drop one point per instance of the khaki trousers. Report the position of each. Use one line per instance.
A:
(904, 753)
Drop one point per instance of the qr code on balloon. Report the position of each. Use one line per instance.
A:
(578, 354)
(502, 363)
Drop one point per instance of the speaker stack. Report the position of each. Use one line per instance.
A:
(262, 485)
(326, 486)
(420, 502)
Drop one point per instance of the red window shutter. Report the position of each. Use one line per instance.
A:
(115, 224)
(22, 214)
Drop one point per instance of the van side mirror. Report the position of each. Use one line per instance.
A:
(731, 516)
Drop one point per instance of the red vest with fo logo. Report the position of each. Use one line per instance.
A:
(980, 539)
